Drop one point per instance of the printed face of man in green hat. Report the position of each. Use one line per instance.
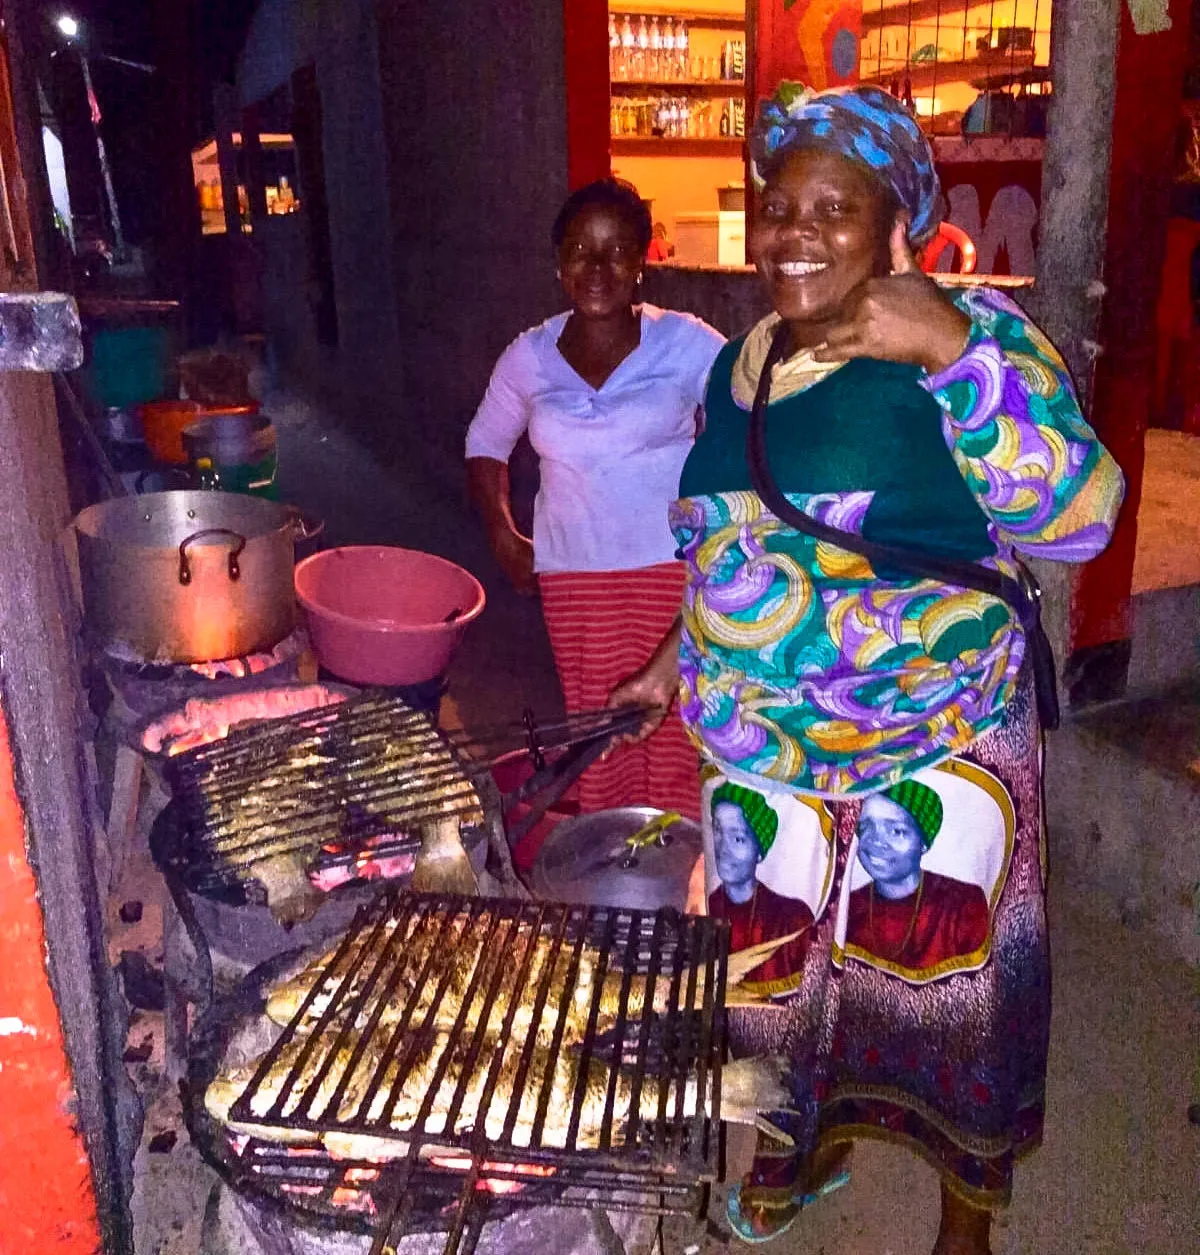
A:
(744, 828)
(895, 828)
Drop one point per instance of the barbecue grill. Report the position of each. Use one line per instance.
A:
(326, 785)
(334, 775)
(582, 1067)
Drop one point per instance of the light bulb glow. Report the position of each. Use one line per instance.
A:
(68, 25)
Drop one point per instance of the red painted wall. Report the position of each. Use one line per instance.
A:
(585, 49)
(46, 1200)
(1150, 71)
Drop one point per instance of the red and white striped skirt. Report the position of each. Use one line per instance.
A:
(604, 626)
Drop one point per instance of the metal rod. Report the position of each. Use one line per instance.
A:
(648, 1013)
(614, 1071)
(589, 1034)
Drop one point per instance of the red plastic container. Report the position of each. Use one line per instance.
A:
(382, 615)
(163, 423)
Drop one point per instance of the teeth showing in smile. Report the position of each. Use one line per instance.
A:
(796, 269)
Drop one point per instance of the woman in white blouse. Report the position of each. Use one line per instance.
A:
(610, 395)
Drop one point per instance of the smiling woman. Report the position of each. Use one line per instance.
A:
(946, 428)
(609, 393)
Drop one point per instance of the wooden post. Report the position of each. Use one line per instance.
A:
(225, 116)
(1067, 298)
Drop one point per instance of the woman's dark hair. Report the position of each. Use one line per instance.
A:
(614, 194)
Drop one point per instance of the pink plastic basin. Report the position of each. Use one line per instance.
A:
(381, 615)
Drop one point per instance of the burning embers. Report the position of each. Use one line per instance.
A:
(205, 720)
(471, 1048)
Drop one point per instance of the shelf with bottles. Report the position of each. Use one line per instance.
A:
(666, 146)
(691, 87)
(659, 48)
(677, 118)
(728, 17)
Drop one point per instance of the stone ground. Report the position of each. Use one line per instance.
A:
(1120, 1169)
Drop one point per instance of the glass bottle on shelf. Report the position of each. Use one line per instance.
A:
(669, 37)
(628, 45)
(614, 46)
(641, 51)
(654, 59)
(681, 50)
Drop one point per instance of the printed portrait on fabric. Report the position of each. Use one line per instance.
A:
(926, 868)
(769, 866)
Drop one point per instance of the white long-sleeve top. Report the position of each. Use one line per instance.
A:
(610, 456)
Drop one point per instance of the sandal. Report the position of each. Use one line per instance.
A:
(744, 1226)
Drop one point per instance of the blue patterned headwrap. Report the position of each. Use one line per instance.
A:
(865, 124)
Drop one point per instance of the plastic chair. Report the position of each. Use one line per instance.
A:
(949, 234)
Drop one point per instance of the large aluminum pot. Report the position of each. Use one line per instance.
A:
(188, 576)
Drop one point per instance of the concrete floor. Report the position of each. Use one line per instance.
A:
(1168, 543)
(1120, 1169)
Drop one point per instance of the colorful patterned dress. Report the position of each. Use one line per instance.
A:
(819, 682)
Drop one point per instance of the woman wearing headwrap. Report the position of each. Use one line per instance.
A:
(939, 422)
(744, 828)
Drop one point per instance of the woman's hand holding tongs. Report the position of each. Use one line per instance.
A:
(654, 688)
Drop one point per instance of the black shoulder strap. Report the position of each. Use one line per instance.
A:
(1023, 596)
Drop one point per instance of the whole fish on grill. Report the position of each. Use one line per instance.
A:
(465, 952)
(749, 1088)
(232, 1081)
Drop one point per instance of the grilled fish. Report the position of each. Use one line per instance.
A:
(231, 1082)
(465, 954)
(749, 1087)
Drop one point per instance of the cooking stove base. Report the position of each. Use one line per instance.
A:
(235, 1225)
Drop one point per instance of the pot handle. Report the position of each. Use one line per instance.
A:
(235, 568)
(304, 526)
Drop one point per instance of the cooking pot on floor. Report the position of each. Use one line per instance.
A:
(188, 576)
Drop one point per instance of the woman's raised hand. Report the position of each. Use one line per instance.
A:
(903, 317)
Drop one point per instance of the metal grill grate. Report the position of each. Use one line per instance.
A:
(574, 1051)
(336, 775)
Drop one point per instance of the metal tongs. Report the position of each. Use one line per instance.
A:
(583, 738)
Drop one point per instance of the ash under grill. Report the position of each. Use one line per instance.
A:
(337, 777)
(459, 1056)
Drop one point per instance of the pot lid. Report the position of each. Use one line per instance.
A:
(586, 860)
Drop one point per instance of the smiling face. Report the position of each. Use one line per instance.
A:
(889, 841)
(735, 848)
(600, 261)
(820, 230)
